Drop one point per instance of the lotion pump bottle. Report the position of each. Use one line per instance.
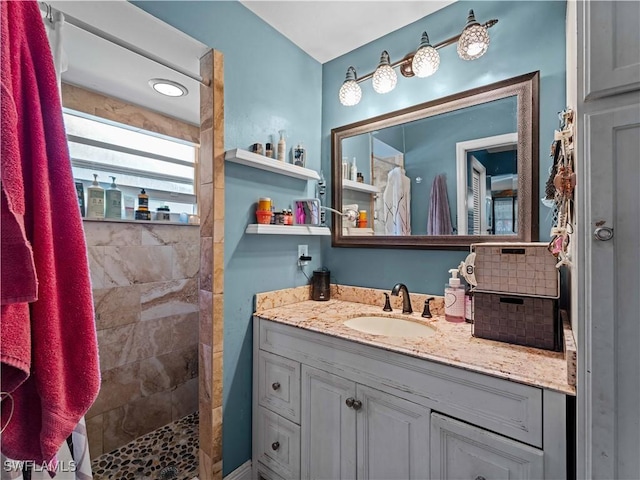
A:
(113, 207)
(95, 194)
(454, 299)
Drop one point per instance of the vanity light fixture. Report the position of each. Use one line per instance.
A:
(168, 87)
(350, 91)
(426, 60)
(384, 78)
(472, 42)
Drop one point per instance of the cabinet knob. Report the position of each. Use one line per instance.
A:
(275, 385)
(480, 477)
(350, 401)
(275, 445)
(357, 405)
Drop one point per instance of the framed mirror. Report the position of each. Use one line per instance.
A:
(443, 174)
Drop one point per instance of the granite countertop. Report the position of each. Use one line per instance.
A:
(451, 344)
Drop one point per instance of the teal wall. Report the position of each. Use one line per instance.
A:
(530, 36)
(270, 84)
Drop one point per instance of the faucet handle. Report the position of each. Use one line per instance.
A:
(387, 303)
(426, 313)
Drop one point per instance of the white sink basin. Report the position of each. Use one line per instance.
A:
(389, 327)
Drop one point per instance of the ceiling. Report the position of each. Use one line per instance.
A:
(327, 29)
(102, 66)
(324, 29)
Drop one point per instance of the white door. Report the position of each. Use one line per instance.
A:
(611, 367)
(463, 451)
(612, 42)
(328, 426)
(392, 438)
(607, 294)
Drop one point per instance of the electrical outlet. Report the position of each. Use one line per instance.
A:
(303, 251)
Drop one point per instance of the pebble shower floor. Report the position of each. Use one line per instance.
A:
(168, 453)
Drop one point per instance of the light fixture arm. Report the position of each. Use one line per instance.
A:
(407, 58)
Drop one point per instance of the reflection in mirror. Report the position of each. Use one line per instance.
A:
(487, 170)
(461, 168)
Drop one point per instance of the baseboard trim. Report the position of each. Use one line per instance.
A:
(243, 472)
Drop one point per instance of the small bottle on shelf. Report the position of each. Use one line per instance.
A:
(282, 146)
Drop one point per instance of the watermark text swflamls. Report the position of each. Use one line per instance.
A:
(52, 466)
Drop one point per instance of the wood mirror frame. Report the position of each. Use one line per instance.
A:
(525, 87)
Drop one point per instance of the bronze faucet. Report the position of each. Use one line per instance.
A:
(406, 300)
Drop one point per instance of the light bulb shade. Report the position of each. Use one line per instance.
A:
(474, 40)
(384, 78)
(350, 92)
(426, 60)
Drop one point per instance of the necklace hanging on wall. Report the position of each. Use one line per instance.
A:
(561, 185)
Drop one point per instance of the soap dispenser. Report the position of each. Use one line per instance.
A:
(454, 299)
(113, 207)
(95, 204)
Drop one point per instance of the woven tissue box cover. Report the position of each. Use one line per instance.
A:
(520, 268)
(526, 321)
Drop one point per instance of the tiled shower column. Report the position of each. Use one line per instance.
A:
(211, 209)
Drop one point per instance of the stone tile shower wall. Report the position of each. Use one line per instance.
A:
(145, 289)
(211, 209)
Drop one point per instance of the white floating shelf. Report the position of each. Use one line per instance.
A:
(259, 228)
(359, 186)
(251, 159)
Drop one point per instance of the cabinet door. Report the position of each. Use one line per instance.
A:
(612, 48)
(328, 426)
(460, 450)
(392, 437)
(611, 357)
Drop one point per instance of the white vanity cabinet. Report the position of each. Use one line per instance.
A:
(364, 412)
(353, 431)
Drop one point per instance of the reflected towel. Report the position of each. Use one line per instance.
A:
(397, 203)
(439, 220)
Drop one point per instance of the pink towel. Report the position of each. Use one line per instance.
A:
(64, 376)
(17, 275)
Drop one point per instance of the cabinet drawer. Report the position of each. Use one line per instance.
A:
(279, 387)
(460, 450)
(278, 444)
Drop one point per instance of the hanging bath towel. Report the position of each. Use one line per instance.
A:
(439, 221)
(64, 376)
(397, 203)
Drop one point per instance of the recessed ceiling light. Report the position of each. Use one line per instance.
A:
(168, 87)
